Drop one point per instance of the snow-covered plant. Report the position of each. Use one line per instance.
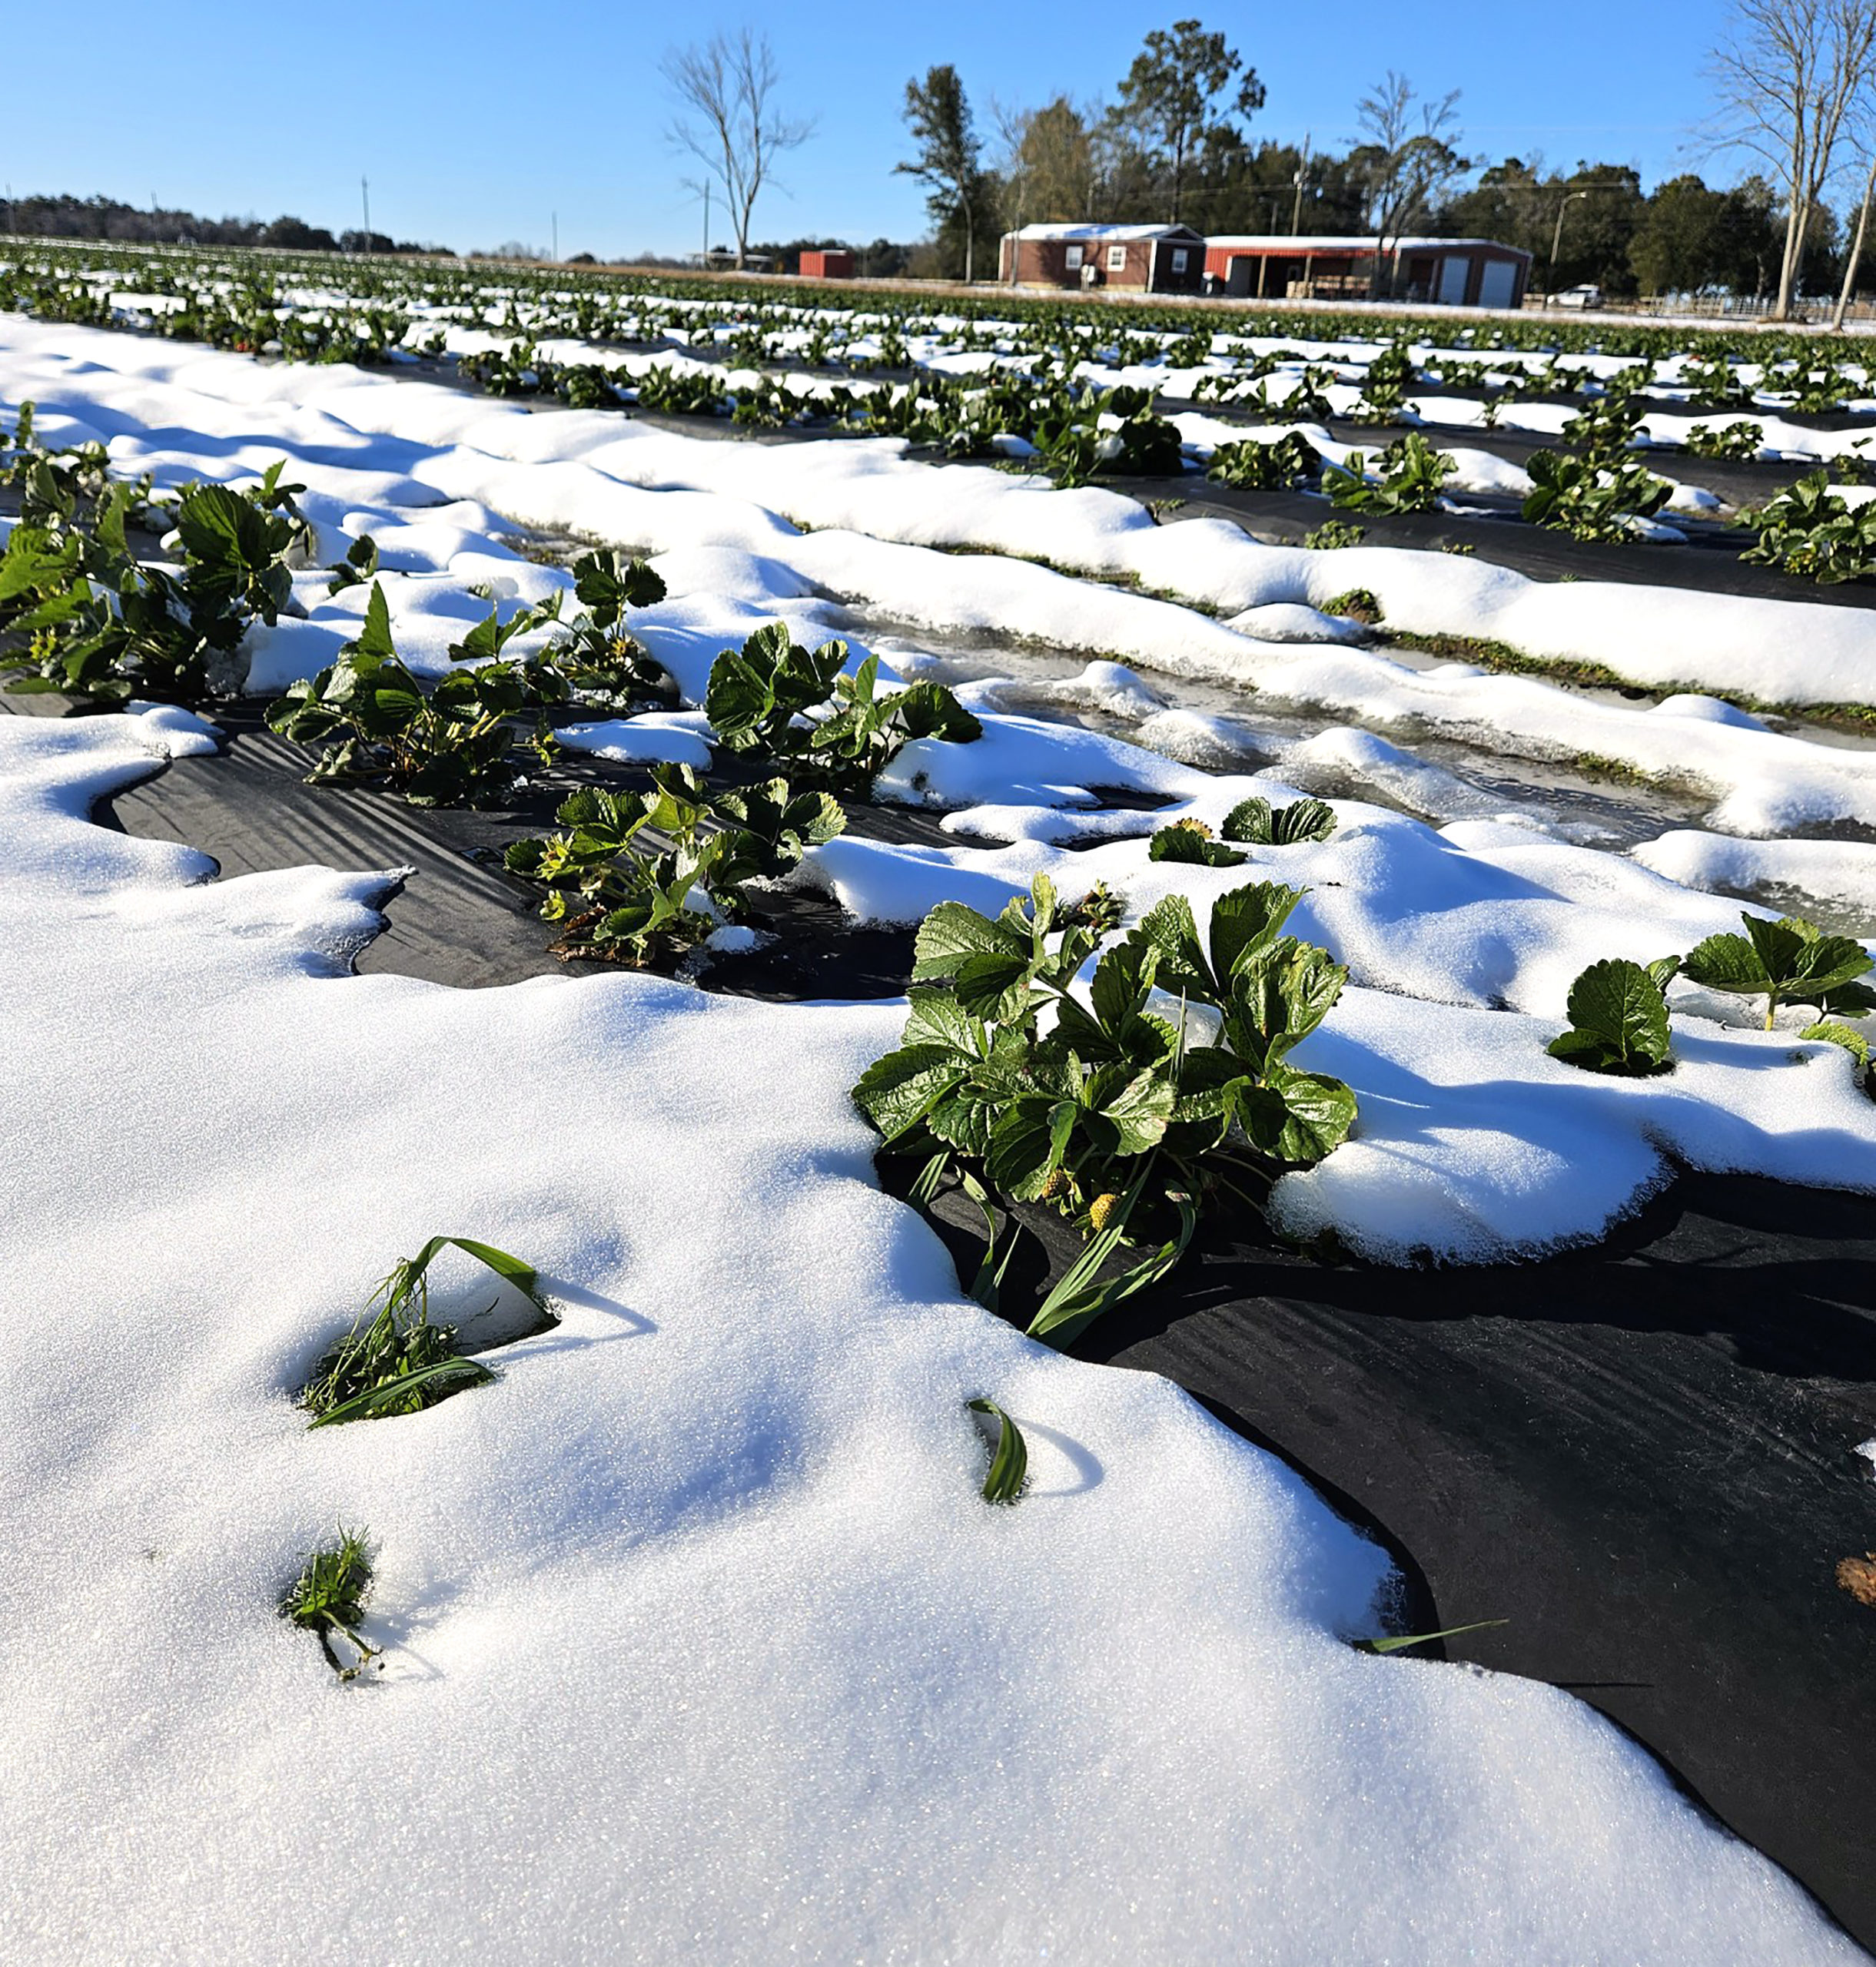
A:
(1259, 824)
(1277, 466)
(456, 745)
(1618, 1019)
(774, 697)
(394, 1360)
(1811, 530)
(1011, 1081)
(329, 1597)
(1252, 822)
(1742, 440)
(1788, 961)
(640, 877)
(1412, 474)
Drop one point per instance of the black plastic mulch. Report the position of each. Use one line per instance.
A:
(1641, 1456)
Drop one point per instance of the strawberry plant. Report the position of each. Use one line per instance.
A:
(1741, 439)
(1413, 472)
(454, 746)
(1788, 961)
(1252, 822)
(1810, 530)
(774, 697)
(640, 877)
(1279, 465)
(1109, 1114)
(1618, 1019)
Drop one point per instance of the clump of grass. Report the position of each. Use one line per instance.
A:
(1358, 604)
(329, 1596)
(395, 1361)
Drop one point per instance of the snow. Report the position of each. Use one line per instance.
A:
(700, 1643)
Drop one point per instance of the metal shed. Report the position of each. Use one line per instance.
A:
(1453, 273)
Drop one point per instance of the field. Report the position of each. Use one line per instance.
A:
(1149, 1032)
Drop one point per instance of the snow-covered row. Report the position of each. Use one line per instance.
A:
(699, 1638)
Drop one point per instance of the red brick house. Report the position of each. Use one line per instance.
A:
(1143, 259)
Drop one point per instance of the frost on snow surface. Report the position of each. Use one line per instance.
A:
(701, 1643)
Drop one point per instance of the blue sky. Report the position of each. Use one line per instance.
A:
(476, 121)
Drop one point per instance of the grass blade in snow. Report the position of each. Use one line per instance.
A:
(1009, 1462)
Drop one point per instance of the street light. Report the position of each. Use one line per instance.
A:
(1556, 240)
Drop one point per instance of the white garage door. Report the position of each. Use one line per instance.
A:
(1452, 274)
(1500, 284)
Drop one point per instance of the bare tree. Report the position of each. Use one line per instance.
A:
(1789, 76)
(1853, 259)
(736, 131)
(1409, 157)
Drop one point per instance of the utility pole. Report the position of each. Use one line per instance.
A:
(556, 218)
(364, 192)
(1296, 207)
(705, 262)
(1556, 240)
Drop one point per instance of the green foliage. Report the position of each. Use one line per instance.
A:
(640, 877)
(456, 745)
(1618, 1021)
(359, 564)
(1398, 1643)
(82, 616)
(1115, 431)
(1744, 439)
(1788, 961)
(1252, 822)
(1009, 1460)
(1595, 489)
(328, 1598)
(1255, 821)
(1279, 464)
(394, 1360)
(1332, 534)
(1413, 474)
(1110, 1115)
(1358, 604)
(762, 697)
(1588, 501)
(1810, 530)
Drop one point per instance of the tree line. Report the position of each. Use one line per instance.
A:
(1173, 145)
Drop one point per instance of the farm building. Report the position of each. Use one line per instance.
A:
(1149, 258)
(832, 263)
(1453, 273)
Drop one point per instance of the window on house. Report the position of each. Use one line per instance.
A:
(1117, 259)
(1073, 258)
(1180, 256)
